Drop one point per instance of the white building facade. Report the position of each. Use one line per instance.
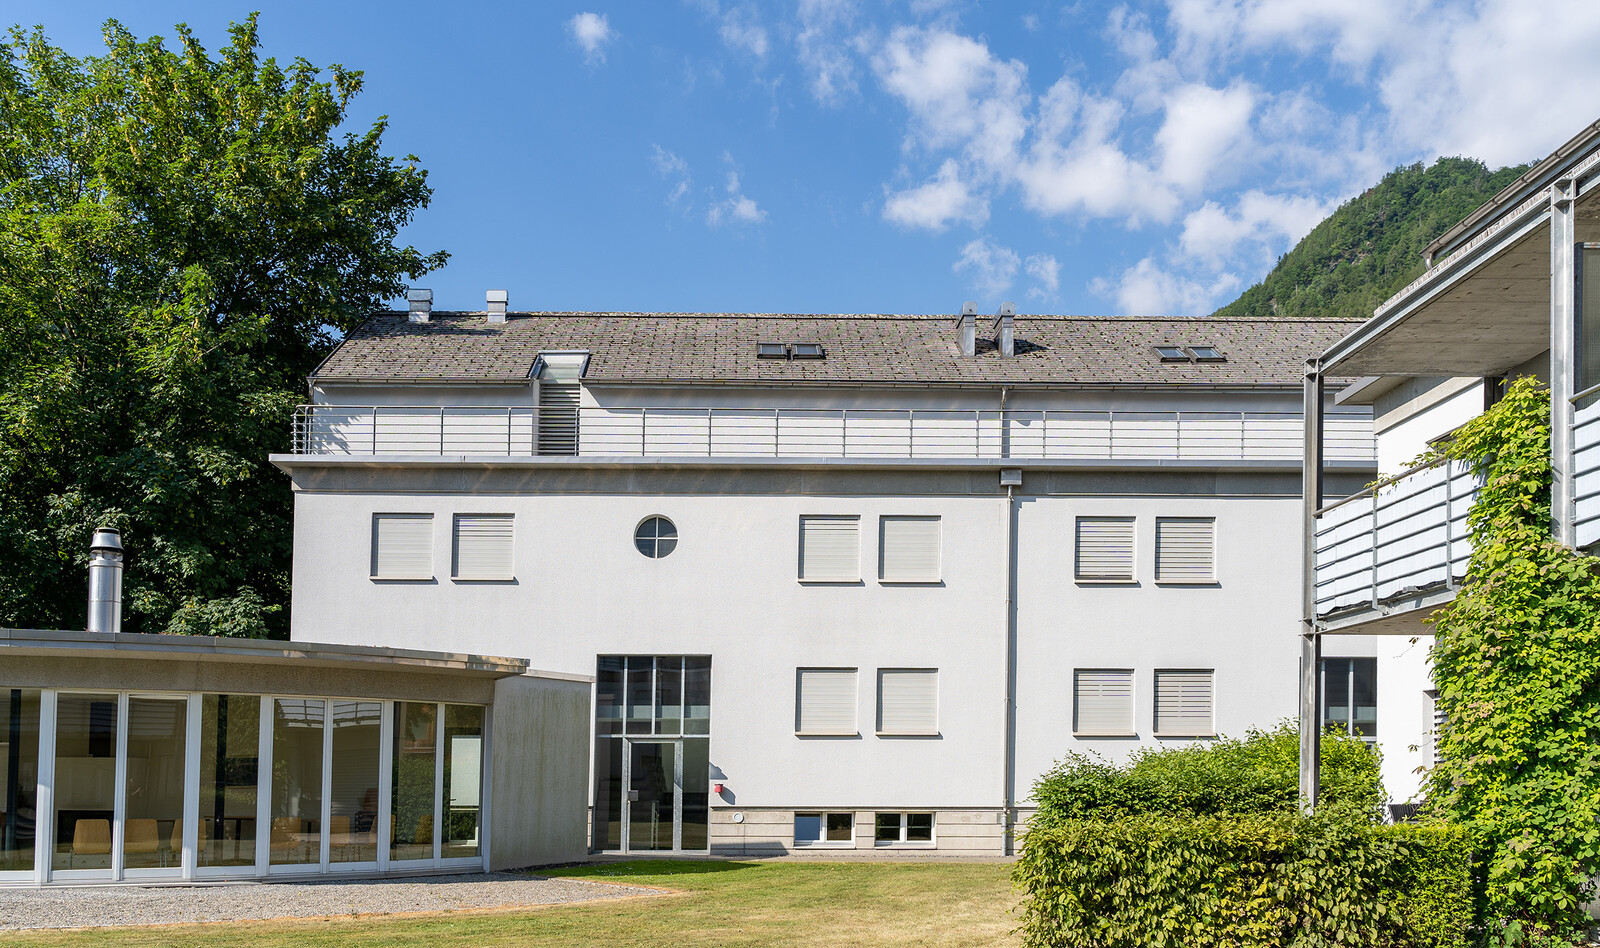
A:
(844, 582)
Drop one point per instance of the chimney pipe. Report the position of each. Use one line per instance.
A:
(967, 328)
(105, 581)
(421, 304)
(1005, 337)
(497, 306)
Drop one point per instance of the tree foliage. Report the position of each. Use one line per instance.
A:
(1259, 774)
(1371, 247)
(182, 240)
(1516, 661)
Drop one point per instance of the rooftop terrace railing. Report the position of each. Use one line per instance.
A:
(816, 432)
(1403, 536)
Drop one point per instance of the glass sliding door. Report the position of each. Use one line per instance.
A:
(230, 764)
(153, 786)
(19, 779)
(416, 747)
(463, 771)
(296, 830)
(85, 784)
(353, 784)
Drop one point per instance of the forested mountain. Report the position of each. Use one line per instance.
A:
(1372, 245)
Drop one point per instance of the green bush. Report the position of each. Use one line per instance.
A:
(1245, 881)
(1258, 774)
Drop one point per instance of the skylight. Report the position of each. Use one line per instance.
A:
(771, 350)
(1207, 354)
(1172, 354)
(806, 350)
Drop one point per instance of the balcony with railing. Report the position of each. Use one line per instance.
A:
(867, 433)
(1399, 545)
(1586, 466)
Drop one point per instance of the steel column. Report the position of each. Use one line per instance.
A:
(1563, 332)
(1311, 638)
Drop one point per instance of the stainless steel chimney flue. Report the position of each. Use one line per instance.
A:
(496, 306)
(967, 329)
(105, 581)
(1005, 340)
(421, 305)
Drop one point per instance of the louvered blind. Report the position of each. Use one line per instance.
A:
(1186, 550)
(825, 701)
(1103, 701)
(1105, 548)
(483, 546)
(830, 549)
(908, 701)
(1183, 703)
(908, 550)
(402, 546)
(558, 417)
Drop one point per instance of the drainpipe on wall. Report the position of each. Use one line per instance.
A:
(105, 581)
(1010, 479)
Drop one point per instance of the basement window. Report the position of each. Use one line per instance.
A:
(806, 350)
(1207, 354)
(1172, 353)
(771, 350)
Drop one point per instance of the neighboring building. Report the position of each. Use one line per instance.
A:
(842, 581)
(1503, 296)
(148, 758)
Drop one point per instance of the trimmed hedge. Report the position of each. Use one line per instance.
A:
(1245, 881)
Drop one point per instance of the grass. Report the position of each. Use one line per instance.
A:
(719, 904)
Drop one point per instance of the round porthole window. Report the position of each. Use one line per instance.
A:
(656, 537)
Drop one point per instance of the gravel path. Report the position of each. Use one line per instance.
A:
(88, 907)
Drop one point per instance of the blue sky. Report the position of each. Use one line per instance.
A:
(871, 156)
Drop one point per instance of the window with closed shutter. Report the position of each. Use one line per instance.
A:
(908, 701)
(483, 546)
(402, 546)
(1186, 549)
(1102, 701)
(825, 701)
(908, 549)
(830, 549)
(1105, 549)
(1184, 703)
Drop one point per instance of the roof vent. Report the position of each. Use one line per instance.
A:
(1005, 337)
(421, 302)
(496, 306)
(967, 328)
(105, 581)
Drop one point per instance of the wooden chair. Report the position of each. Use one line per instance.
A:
(90, 838)
(286, 834)
(140, 837)
(175, 841)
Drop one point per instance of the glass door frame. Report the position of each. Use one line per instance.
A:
(677, 791)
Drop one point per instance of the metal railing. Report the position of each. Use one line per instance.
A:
(1404, 535)
(822, 432)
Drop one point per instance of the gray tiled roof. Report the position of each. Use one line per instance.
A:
(721, 347)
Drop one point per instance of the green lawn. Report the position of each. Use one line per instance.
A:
(717, 903)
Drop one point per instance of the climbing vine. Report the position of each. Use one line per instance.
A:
(1516, 662)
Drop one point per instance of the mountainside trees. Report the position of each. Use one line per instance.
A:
(181, 240)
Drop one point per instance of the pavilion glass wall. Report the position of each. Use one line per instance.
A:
(236, 785)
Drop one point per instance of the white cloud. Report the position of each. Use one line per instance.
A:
(735, 208)
(592, 31)
(992, 267)
(1046, 272)
(937, 203)
(825, 48)
(1213, 235)
(1203, 126)
(1148, 289)
(958, 94)
(741, 31)
(675, 169)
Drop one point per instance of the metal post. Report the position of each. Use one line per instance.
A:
(708, 432)
(1310, 637)
(1563, 332)
(911, 433)
(775, 452)
(642, 443)
(441, 430)
(374, 429)
(844, 433)
(508, 431)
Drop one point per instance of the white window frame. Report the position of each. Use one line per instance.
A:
(1211, 578)
(855, 709)
(901, 815)
(372, 554)
(1155, 703)
(823, 842)
(933, 730)
(455, 549)
(929, 579)
(1083, 579)
(854, 577)
(1131, 731)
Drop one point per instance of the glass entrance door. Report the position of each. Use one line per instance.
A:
(651, 809)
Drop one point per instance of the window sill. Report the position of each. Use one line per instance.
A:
(401, 579)
(483, 579)
(1082, 581)
(824, 844)
(936, 581)
(830, 582)
(1106, 734)
(1185, 737)
(906, 733)
(827, 733)
(1187, 582)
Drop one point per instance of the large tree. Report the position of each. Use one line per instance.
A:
(182, 239)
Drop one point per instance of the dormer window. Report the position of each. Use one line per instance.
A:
(1207, 354)
(1172, 353)
(807, 350)
(771, 350)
